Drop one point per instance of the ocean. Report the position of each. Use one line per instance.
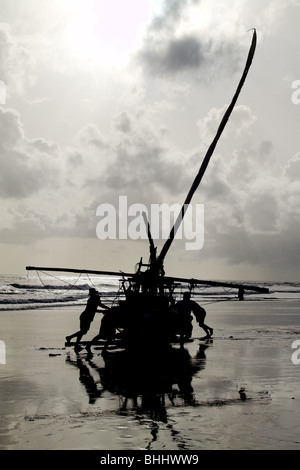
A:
(45, 290)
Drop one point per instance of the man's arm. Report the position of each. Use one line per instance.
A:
(100, 304)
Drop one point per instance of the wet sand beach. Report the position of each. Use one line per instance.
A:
(239, 390)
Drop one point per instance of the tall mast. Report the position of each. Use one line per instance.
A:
(208, 155)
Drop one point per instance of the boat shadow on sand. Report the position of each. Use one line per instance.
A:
(145, 384)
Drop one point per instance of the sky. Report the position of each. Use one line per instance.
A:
(103, 102)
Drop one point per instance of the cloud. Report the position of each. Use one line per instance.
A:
(184, 38)
(16, 62)
(262, 213)
(250, 197)
(84, 136)
(241, 120)
(205, 38)
(54, 191)
(172, 56)
(292, 170)
(90, 134)
(26, 226)
(27, 165)
(169, 14)
(194, 52)
(276, 257)
(141, 163)
(123, 122)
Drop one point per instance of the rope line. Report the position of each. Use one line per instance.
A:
(216, 301)
(58, 279)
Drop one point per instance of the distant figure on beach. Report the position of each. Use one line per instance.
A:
(86, 317)
(184, 308)
(241, 293)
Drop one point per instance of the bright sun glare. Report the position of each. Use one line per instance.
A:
(105, 31)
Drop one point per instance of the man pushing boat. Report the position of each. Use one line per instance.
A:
(86, 317)
(183, 309)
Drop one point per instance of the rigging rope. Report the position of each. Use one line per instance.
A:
(59, 279)
(90, 280)
(216, 301)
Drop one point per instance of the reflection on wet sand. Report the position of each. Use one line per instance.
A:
(146, 383)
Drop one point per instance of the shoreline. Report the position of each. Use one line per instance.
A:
(53, 399)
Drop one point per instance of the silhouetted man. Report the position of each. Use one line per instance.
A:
(86, 317)
(184, 309)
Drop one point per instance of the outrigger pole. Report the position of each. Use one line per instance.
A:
(79, 271)
(168, 280)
